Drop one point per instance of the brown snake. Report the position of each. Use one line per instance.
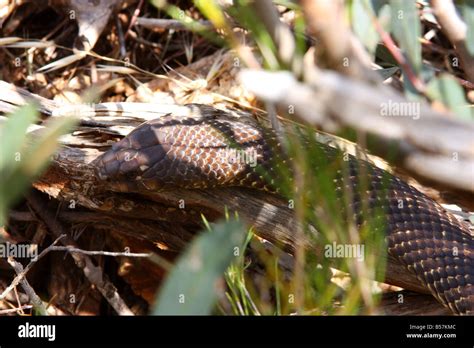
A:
(193, 151)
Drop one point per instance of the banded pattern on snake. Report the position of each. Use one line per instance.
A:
(192, 151)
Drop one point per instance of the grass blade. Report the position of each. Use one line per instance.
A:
(191, 286)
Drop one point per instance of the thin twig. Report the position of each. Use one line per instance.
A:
(14, 310)
(136, 13)
(34, 298)
(22, 275)
(172, 24)
(103, 253)
(121, 37)
(93, 273)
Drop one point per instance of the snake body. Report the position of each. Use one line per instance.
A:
(193, 151)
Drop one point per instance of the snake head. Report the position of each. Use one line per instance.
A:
(192, 151)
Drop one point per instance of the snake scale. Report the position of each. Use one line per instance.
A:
(192, 151)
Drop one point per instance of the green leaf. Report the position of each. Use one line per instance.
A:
(447, 90)
(378, 5)
(407, 30)
(190, 288)
(12, 134)
(384, 14)
(243, 12)
(212, 10)
(21, 159)
(388, 72)
(41, 149)
(361, 17)
(468, 15)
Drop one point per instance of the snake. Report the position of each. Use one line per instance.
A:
(199, 150)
